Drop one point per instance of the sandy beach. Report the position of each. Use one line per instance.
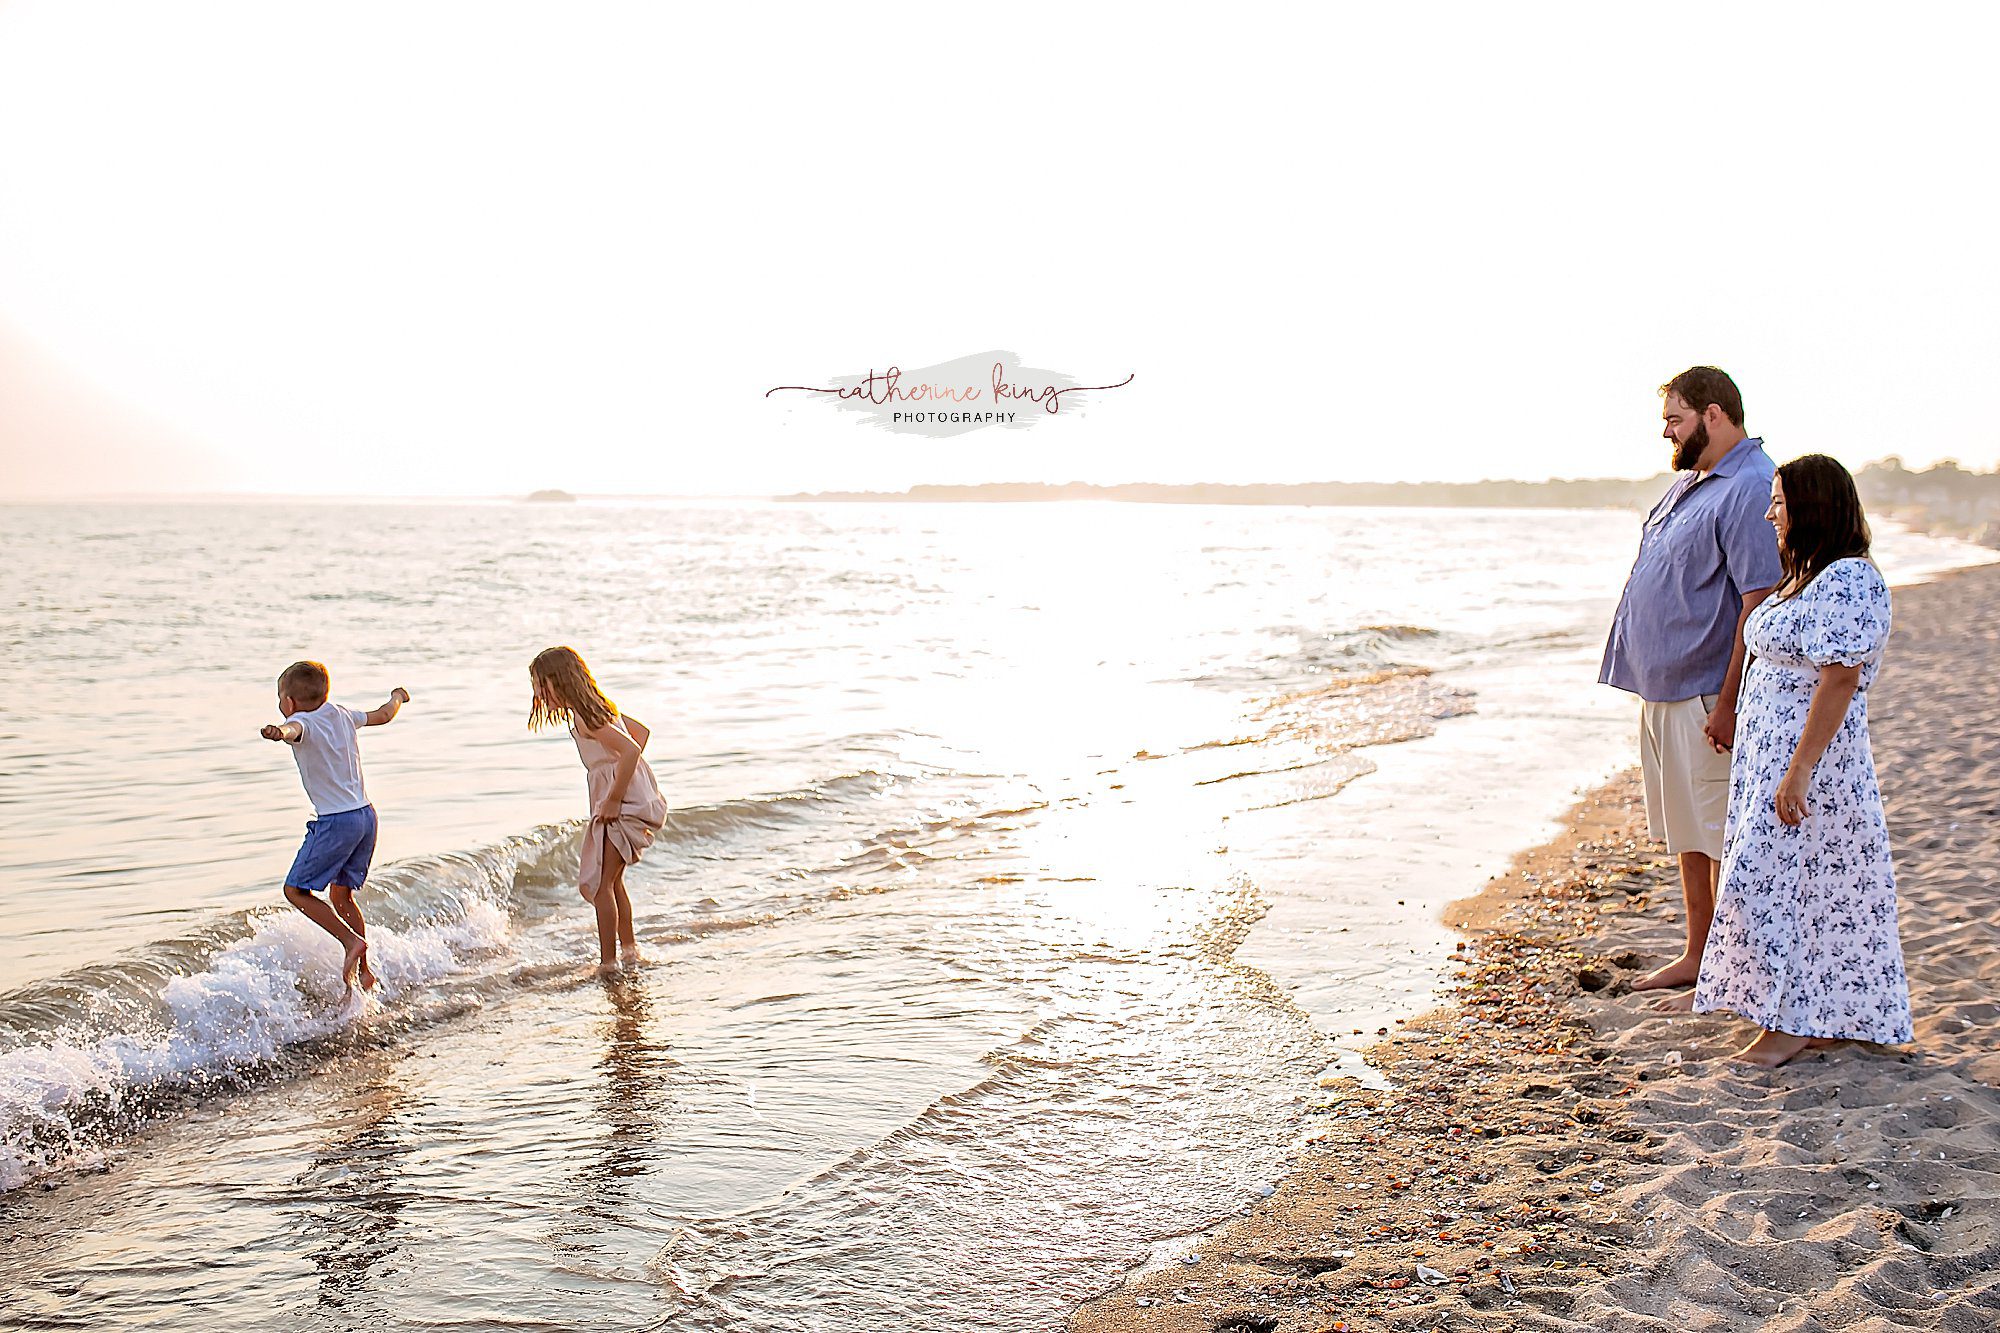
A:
(1553, 1155)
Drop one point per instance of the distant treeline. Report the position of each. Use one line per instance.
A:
(1945, 499)
(1593, 494)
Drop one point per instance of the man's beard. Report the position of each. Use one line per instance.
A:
(1688, 452)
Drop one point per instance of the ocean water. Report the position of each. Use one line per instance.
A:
(1028, 867)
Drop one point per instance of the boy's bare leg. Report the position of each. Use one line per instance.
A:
(327, 920)
(349, 911)
(1698, 890)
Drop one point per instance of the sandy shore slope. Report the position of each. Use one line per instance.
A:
(1555, 1156)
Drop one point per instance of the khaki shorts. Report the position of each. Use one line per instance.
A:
(1687, 782)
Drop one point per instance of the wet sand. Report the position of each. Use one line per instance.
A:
(1554, 1155)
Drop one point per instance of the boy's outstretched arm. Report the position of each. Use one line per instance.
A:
(290, 731)
(380, 717)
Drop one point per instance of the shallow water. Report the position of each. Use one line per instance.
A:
(1028, 865)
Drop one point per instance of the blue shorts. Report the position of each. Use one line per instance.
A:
(337, 850)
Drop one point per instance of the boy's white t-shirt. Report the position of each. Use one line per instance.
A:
(329, 755)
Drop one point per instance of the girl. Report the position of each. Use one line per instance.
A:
(626, 808)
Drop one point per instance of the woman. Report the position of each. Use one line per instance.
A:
(1804, 942)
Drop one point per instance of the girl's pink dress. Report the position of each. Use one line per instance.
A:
(640, 816)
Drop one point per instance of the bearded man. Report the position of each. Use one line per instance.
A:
(1706, 559)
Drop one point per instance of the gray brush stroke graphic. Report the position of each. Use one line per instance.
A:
(975, 371)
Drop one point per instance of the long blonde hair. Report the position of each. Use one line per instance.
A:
(561, 673)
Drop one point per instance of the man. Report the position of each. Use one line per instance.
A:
(1706, 558)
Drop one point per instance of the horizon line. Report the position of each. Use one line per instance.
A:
(82, 497)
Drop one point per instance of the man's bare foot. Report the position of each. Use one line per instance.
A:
(630, 956)
(362, 970)
(1682, 1003)
(1681, 972)
(1771, 1049)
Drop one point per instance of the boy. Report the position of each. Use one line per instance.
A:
(341, 840)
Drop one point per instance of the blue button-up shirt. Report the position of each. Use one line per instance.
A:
(1705, 545)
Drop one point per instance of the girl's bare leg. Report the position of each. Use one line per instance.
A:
(628, 942)
(606, 906)
(349, 911)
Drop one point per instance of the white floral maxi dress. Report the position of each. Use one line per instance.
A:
(1804, 939)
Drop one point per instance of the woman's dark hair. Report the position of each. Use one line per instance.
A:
(1823, 517)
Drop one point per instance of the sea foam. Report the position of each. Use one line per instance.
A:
(255, 1001)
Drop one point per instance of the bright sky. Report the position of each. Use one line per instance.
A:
(481, 248)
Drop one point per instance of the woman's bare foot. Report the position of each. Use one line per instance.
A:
(1771, 1049)
(1681, 972)
(629, 956)
(1682, 1003)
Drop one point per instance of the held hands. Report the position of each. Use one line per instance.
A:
(1721, 729)
(399, 695)
(1790, 800)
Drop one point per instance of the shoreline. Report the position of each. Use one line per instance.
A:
(1551, 1155)
(1431, 1170)
(1355, 891)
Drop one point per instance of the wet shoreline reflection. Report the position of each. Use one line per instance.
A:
(358, 1180)
(633, 1105)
